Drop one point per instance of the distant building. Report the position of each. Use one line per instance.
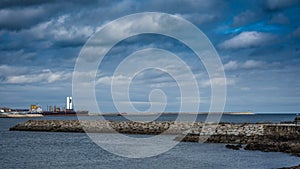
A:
(36, 108)
(5, 109)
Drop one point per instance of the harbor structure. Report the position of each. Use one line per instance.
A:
(69, 103)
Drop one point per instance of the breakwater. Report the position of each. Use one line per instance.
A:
(264, 137)
(130, 127)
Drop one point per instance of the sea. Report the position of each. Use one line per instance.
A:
(22, 149)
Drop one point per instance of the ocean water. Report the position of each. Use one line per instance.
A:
(76, 150)
(274, 118)
(252, 118)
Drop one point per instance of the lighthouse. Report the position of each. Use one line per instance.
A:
(69, 103)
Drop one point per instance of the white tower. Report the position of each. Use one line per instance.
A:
(69, 103)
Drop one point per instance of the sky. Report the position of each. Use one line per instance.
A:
(257, 41)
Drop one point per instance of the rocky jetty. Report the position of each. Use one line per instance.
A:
(269, 138)
(278, 138)
(264, 137)
(96, 126)
(221, 132)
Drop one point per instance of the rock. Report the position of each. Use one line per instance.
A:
(297, 120)
(294, 167)
(233, 147)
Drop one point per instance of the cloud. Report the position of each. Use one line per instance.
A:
(16, 19)
(280, 4)
(248, 64)
(296, 32)
(118, 80)
(146, 78)
(6, 70)
(279, 19)
(200, 18)
(18, 15)
(245, 18)
(57, 32)
(188, 7)
(71, 36)
(217, 82)
(245, 88)
(20, 56)
(231, 65)
(247, 40)
(45, 76)
(21, 3)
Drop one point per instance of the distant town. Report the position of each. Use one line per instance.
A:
(36, 110)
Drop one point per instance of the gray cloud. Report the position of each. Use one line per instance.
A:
(201, 18)
(296, 32)
(245, 18)
(17, 16)
(279, 19)
(22, 3)
(21, 18)
(180, 6)
(17, 56)
(247, 40)
(248, 64)
(280, 4)
(6, 70)
(44, 76)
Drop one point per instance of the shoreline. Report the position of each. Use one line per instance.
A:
(20, 115)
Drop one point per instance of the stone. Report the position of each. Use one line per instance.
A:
(233, 147)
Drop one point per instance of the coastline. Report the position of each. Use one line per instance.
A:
(20, 115)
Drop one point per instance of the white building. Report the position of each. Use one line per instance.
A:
(69, 103)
